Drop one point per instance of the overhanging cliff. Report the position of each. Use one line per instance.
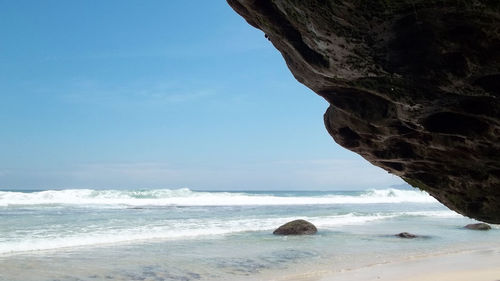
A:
(413, 86)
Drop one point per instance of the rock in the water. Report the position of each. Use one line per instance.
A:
(478, 226)
(406, 235)
(296, 227)
(413, 86)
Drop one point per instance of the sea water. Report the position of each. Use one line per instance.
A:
(163, 234)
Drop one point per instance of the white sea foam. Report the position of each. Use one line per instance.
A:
(436, 214)
(172, 230)
(66, 233)
(189, 229)
(186, 197)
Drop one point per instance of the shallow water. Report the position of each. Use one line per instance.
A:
(188, 235)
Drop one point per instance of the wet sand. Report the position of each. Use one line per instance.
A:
(475, 265)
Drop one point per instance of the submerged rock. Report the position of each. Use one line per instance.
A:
(406, 235)
(478, 226)
(296, 227)
(413, 86)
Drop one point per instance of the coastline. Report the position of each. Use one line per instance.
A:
(173, 235)
(476, 265)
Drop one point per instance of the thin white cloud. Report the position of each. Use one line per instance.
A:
(337, 173)
(320, 174)
(134, 93)
(166, 96)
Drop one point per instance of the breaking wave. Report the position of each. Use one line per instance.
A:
(187, 197)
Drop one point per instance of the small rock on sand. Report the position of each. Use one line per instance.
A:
(406, 235)
(478, 226)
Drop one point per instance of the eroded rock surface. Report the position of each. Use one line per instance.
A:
(414, 86)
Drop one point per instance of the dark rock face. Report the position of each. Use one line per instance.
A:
(478, 226)
(406, 235)
(296, 227)
(413, 86)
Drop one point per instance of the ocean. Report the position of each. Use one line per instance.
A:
(181, 234)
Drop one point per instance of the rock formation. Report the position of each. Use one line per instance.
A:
(296, 227)
(478, 226)
(413, 86)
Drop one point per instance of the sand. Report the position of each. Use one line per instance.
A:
(474, 265)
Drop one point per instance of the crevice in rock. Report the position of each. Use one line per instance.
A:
(455, 123)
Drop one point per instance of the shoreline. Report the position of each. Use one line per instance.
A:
(469, 265)
(478, 263)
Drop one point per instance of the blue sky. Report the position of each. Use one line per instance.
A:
(158, 94)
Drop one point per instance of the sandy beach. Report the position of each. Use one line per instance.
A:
(476, 265)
